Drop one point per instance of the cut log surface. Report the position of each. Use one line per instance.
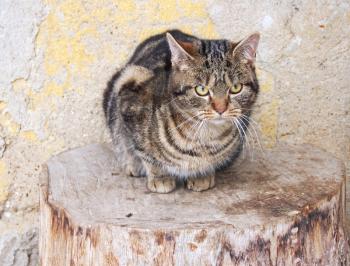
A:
(283, 207)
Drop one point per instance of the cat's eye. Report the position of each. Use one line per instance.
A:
(201, 90)
(236, 88)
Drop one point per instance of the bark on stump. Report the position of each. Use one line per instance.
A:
(286, 207)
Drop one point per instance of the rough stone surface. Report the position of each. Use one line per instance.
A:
(2, 147)
(19, 250)
(56, 56)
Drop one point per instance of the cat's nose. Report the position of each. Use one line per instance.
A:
(220, 106)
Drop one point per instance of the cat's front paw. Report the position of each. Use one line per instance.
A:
(161, 185)
(200, 183)
(135, 170)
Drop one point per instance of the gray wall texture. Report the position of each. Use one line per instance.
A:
(56, 56)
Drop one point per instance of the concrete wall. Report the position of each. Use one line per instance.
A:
(56, 56)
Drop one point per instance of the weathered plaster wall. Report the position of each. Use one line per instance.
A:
(56, 56)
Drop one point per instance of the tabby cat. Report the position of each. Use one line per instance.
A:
(180, 107)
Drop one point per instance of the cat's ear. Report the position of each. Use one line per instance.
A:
(182, 53)
(245, 50)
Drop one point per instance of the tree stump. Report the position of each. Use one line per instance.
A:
(285, 207)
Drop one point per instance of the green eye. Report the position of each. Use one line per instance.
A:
(236, 88)
(201, 90)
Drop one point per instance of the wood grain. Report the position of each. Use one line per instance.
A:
(285, 207)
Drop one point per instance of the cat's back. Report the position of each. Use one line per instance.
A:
(154, 52)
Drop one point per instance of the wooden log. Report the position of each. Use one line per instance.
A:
(283, 208)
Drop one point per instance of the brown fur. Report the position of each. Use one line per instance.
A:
(162, 127)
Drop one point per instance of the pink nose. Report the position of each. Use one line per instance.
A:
(219, 106)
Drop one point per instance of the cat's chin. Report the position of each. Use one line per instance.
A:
(218, 121)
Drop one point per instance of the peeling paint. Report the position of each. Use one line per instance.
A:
(9, 124)
(268, 121)
(29, 135)
(62, 37)
(266, 80)
(4, 182)
(2, 105)
(19, 84)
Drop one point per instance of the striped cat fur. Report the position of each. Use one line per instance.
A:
(175, 109)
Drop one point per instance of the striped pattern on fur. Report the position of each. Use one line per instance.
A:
(161, 127)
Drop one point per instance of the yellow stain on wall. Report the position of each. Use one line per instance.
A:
(155, 16)
(192, 9)
(9, 124)
(72, 41)
(166, 11)
(50, 89)
(69, 23)
(125, 6)
(207, 30)
(19, 85)
(2, 105)
(61, 37)
(268, 121)
(2, 168)
(4, 182)
(29, 135)
(266, 80)
(123, 21)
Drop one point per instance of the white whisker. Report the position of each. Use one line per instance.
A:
(248, 119)
(246, 137)
(195, 134)
(250, 134)
(241, 138)
(182, 123)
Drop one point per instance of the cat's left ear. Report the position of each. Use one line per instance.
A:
(182, 53)
(245, 50)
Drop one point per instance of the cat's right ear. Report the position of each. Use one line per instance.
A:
(182, 53)
(245, 50)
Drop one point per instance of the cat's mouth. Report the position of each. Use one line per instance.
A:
(218, 120)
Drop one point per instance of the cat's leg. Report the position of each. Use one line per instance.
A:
(131, 164)
(134, 166)
(159, 182)
(200, 183)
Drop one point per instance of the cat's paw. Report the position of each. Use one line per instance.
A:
(200, 183)
(161, 185)
(135, 170)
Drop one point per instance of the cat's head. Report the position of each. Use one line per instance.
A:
(214, 80)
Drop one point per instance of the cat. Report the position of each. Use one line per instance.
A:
(180, 107)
